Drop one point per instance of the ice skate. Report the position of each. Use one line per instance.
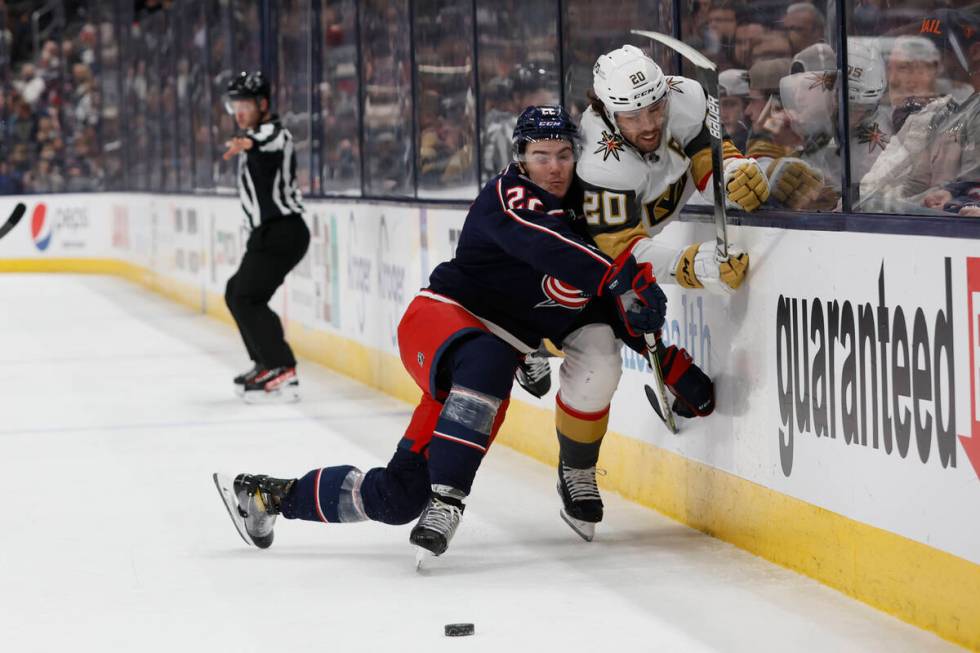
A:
(253, 503)
(582, 508)
(534, 374)
(244, 378)
(437, 523)
(275, 385)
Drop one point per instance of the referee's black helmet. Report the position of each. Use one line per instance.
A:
(248, 86)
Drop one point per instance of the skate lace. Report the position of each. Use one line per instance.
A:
(535, 367)
(441, 517)
(580, 483)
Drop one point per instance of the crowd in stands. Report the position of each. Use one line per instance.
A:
(912, 115)
(50, 105)
(911, 121)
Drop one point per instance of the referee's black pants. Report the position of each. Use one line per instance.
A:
(273, 249)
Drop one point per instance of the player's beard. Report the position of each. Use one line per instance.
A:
(649, 142)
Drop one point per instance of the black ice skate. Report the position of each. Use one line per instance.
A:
(534, 374)
(245, 377)
(253, 503)
(582, 504)
(275, 385)
(437, 522)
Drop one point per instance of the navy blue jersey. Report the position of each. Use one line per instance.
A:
(520, 266)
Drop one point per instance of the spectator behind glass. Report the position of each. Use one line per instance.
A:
(804, 24)
(720, 32)
(947, 176)
(809, 96)
(749, 32)
(913, 68)
(769, 136)
(528, 84)
(733, 86)
(774, 44)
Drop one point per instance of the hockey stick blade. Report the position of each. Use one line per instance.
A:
(658, 398)
(14, 218)
(680, 47)
(655, 404)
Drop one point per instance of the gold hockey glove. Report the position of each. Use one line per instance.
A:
(795, 183)
(745, 183)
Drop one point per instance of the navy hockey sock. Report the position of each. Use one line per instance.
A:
(329, 494)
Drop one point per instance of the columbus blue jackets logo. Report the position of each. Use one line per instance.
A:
(560, 295)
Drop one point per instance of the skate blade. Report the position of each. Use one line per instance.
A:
(239, 390)
(585, 529)
(227, 492)
(421, 557)
(286, 395)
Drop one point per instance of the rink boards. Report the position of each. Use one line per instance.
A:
(846, 441)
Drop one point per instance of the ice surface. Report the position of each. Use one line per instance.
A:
(117, 406)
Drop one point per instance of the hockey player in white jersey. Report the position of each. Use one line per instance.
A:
(646, 150)
(808, 178)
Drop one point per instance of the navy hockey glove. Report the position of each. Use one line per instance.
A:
(642, 303)
(693, 391)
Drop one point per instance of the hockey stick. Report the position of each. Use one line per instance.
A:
(14, 218)
(708, 76)
(658, 398)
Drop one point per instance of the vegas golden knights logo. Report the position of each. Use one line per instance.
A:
(665, 205)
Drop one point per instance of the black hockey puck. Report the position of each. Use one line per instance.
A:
(459, 630)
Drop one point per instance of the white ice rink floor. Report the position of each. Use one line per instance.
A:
(117, 406)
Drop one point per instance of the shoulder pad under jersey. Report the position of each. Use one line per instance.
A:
(607, 161)
(688, 107)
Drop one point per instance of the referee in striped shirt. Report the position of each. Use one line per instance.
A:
(277, 241)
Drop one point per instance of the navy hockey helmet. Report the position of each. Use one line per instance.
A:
(248, 86)
(544, 123)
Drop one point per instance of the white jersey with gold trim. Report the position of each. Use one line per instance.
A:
(628, 194)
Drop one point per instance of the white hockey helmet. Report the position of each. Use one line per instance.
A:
(865, 72)
(626, 79)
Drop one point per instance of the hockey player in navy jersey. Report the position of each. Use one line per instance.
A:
(521, 273)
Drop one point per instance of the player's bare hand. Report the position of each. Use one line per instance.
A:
(236, 146)
(970, 211)
(936, 199)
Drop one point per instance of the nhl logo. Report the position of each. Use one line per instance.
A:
(421, 359)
